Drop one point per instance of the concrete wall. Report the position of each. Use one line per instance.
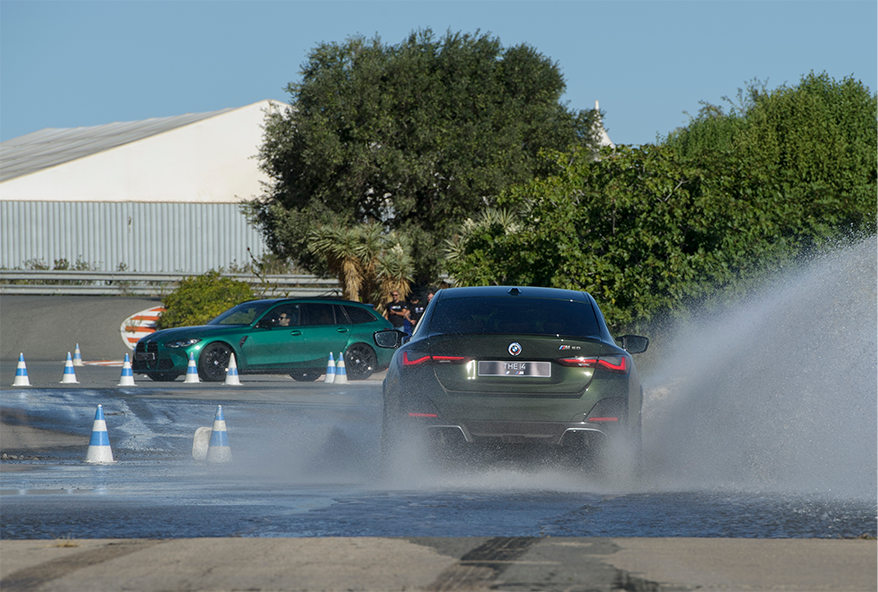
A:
(45, 328)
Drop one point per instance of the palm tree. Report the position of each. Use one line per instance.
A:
(369, 263)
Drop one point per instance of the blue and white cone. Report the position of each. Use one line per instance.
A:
(99, 450)
(341, 375)
(218, 450)
(21, 373)
(69, 373)
(330, 370)
(77, 356)
(232, 372)
(192, 370)
(127, 375)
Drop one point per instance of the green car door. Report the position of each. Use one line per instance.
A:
(326, 329)
(278, 340)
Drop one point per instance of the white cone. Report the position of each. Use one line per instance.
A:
(232, 372)
(192, 370)
(330, 370)
(77, 356)
(69, 373)
(218, 450)
(127, 375)
(99, 450)
(21, 378)
(341, 375)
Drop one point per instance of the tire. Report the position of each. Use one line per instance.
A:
(304, 376)
(162, 376)
(213, 362)
(360, 361)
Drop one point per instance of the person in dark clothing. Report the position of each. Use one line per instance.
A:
(396, 311)
(416, 311)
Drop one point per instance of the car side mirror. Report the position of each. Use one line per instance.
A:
(633, 344)
(389, 338)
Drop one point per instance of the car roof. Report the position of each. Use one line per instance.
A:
(309, 299)
(513, 292)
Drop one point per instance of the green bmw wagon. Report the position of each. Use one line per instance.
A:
(279, 336)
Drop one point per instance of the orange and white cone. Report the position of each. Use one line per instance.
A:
(21, 378)
(69, 373)
(341, 375)
(232, 372)
(192, 370)
(127, 378)
(218, 450)
(99, 450)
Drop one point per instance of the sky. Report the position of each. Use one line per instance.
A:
(649, 63)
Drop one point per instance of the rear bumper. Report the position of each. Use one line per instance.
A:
(521, 432)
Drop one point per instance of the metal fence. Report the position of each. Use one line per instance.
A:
(152, 284)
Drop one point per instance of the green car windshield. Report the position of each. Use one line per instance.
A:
(242, 314)
(519, 316)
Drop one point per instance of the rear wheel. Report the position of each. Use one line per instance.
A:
(213, 361)
(360, 361)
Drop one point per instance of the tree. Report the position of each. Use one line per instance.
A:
(634, 228)
(368, 262)
(659, 228)
(415, 137)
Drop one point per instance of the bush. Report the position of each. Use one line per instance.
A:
(201, 298)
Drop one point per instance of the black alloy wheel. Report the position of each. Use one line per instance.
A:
(213, 362)
(359, 361)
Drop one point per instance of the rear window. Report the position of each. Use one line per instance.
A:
(519, 316)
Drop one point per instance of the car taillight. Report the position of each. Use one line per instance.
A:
(419, 358)
(618, 364)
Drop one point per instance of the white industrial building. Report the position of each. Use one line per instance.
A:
(159, 195)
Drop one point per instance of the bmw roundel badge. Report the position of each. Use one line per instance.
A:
(514, 348)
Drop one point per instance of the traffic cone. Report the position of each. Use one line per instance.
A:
(192, 370)
(232, 372)
(218, 450)
(69, 374)
(77, 356)
(330, 370)
(99, 450)
(341, 376)
(21, 373)
(127, 375)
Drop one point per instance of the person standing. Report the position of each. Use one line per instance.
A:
(416, 311)
(396, 311)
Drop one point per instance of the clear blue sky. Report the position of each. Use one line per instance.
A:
(70, 63)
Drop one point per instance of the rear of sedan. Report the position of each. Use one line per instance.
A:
(506, 366)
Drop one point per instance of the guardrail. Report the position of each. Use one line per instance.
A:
(126, 283)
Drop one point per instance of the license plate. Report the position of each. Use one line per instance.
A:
(144, 356)
(515, 369)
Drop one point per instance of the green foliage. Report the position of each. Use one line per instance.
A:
(656, 229)
(201, 298)
(415, 136)
(369, 262)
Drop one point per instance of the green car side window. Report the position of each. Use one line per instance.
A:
(319, 314)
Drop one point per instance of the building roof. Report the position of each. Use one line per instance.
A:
(53, 146)
(197, 157)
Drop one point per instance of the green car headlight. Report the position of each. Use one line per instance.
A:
(183, 342)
